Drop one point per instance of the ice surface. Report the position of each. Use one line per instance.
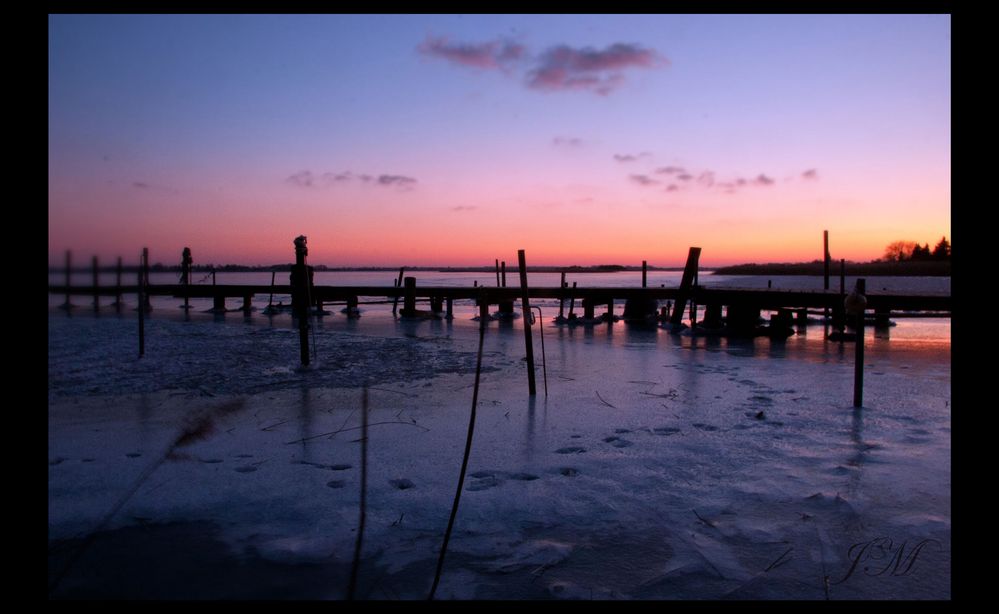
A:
(647, 473)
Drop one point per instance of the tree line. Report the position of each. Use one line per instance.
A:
(902, 251)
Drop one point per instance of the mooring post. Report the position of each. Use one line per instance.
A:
(572, 300)
(140, 299)
(300, 296)
(483, 307)
(497, 274)
(450, 308)
(561, 297)
(855, 304)
(610, 311)
(146, 304)
(503, 271)
(69, 261)
(525, 306)
(825, 258)
(398, 284)
(409, 300)
(96, 286)
(645, 274)
(686, 282)
(117, 296)
(185, 275)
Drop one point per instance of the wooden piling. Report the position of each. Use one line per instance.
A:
(610, 311)
(498, 274)
(825, 258)
(247, 303)
(503, 271)
(69, 270)
(450, 308)
(645, 274)
(185, 273)
(300, 296)
(395, 302)
(572, 300)
(525, 306)
(218, 304)
(483, 307)
(561, 297)
(409, 299)
(117, 296)
(858, 368)
(140, 299)
(588, 309)
(97, 305)
(686, 282)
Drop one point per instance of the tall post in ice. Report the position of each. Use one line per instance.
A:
(141, 300)
(300, 296)
(525, 306)
(855, 304)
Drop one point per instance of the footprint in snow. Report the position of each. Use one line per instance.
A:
(570, 450)
(402, 484)
(336, 483)
(246, 469)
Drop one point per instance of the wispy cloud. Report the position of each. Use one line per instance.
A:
(600, 71)
(684, 176)
(670, 170)
(631, 157)
(308, 179)
(810, 174)
(151, 187)
(464, 208)
(567, 141)
(497, 54)
(762, 179)
(558, 68)
(643, 180)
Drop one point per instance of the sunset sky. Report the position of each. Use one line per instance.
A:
(455, 140)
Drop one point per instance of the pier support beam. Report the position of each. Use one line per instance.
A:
(247, 303)
(525, 306)
(409, 298)
(588, 308)
(450, 308)
(712, 316)
(686, 282)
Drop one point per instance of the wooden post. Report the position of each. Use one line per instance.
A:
(185, 272)
(352, 310)
(117, 298)
(247, 303)
(825, 258)
(588, 309)
(409, 300)
(610, 311)
(855, 305)
(96, 286)
(842, 276)
(689, 272)
(525, 306)
(503, 271)
(140, 299)
(561, 297)
(498, 274)
(483, 307)
(69, 260)
(146, 305)
(450, 308)
(300, 296)
(645, 274)
(398, 284)
(572, 299)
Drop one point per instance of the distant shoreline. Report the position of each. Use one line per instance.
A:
(874, 269)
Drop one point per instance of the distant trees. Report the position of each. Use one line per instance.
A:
(899, 251)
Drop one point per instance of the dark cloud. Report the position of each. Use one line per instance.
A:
(707, 179)
(643, 179)
(672, 188)
(567, 141)
(396, 180)
(685, 177)
(565, 68)
(306, 179)
(670, 170)
(464, 208)
(631, 157)
(491, 55)
(141, 185)
(810, 174)
(763, 180)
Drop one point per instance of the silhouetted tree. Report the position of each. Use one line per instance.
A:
(898, 251)
(942, 250)
(921, 253)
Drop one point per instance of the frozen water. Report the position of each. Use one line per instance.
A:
(647, 473)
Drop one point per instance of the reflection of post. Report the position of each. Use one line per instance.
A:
(855, 304)
(300, 296)
(526, 309)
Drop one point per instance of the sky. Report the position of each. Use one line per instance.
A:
(426, 140)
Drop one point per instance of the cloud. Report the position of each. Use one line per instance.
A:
(763, 180)
(490, 55)
(141, 185)
(307, 179)
(670, 170)
(643, 179)
(672, 188)
(707, 179)
(810, 174)
(562, 68)
(396, 180)
(630, 157)
(464, 208)
(685, 177)
(567, 141)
